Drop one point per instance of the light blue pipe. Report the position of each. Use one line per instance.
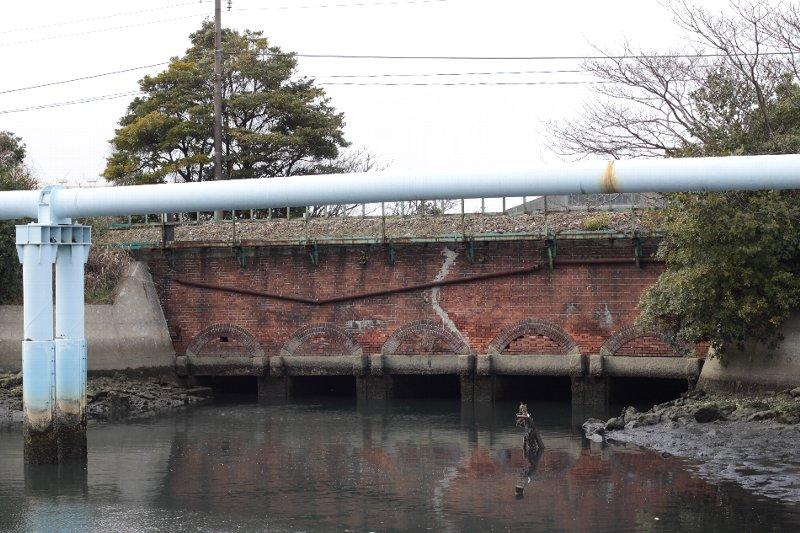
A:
(70, 344)
(37, 254)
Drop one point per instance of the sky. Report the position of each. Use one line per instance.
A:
(406, 127)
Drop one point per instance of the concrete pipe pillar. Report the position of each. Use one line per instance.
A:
(37, 255)
(70, 345)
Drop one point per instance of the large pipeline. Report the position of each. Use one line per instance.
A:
(651, 175)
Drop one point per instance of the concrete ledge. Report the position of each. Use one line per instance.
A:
(324, 365)
(651, 367)
(225, 366)
(421, 364)
(537, 365)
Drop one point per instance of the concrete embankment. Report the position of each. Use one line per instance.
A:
(755, 368)
(131, 334)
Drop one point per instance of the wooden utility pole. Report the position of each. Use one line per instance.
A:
(218, 215)
(217, 89)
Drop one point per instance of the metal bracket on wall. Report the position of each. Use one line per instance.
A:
(241, 258)
(552, 248)
(469, 245)
(637, 250)
(391, 253)
(169, 255)
(313, 253)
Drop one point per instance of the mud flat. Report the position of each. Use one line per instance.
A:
(110, 398)
(751, 440)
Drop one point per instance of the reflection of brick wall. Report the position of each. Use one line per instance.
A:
(587, 301)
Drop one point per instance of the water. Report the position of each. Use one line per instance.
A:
(328, 466)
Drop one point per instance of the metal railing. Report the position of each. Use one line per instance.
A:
(518, 206)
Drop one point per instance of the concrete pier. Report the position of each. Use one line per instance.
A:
(38, 349)
(70, 347)
(273, 390)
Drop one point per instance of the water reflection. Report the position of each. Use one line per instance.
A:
(333, 467)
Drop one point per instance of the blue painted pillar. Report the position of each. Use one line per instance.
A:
(70, 343)
(37, 254)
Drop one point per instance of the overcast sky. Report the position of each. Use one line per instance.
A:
(407, 127)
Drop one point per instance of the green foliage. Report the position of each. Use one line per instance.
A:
(732, 267)
(733, 259)
(597, 222)
(13, 176)
(104, 270)
(274, 124)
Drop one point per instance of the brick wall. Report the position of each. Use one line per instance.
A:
(587, 303)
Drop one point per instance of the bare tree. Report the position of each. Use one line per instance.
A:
(687, 100)
(358, 160)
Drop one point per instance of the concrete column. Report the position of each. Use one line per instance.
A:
(483, 389)
(70, 347)
(273, 390)
(38, 350)
(589, 397)
(467, 390)
(377, 389)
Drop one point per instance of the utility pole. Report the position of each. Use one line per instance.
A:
(217, 95)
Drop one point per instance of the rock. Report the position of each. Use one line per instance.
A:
(787, 418)
(200, 392)
(708, 414)
(615, 423)
(761, 415)
(696, 394)
(11, 382)
(629, 413)
(795, 392)
(644, 419)
(593, 426)
(649, 419)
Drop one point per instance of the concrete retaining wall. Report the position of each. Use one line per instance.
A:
(130, 334)
(753, 368)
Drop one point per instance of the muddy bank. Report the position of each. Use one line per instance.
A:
(110, 398)
(747, 439)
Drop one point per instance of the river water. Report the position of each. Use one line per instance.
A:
(328, 466)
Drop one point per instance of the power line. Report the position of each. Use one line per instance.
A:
(458, 83)
(361, 84)
(434, 74)
(104, 17)
(524, 58)
(70, 102)
(99, 30)
(82, 78)
(173, 19)
(348, 4)
(398, 75)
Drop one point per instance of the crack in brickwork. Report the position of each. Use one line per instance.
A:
(427, 334)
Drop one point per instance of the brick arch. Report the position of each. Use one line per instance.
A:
(430, 331)
(338, 335)
(224, 340)
(627, 334)
(534, 326)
